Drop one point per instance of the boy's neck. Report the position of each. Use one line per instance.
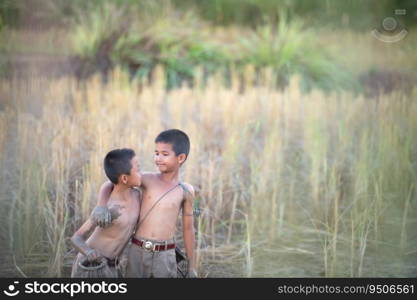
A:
(169, 177)
(119, 189)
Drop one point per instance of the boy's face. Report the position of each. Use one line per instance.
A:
(165, 158)
(134, 179)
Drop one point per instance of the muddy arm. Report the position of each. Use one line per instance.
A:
(78, 241)
(101, 215)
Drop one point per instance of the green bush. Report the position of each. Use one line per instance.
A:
(355, 14)
(181, 42)
(289, 48)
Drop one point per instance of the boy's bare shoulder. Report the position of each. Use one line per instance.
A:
(149, 176)
(188, 187)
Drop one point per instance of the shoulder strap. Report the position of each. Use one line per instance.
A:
(134, 228)
(160, 198)
(140, 207)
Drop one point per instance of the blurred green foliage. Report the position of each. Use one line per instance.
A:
(356, 14)
(181, 42)
(180, 34)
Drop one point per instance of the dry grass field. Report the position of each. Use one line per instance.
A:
(290, 184)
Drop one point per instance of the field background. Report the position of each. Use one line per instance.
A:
(303, 128)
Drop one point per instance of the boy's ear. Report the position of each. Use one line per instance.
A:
(181, 158)
(123, 179)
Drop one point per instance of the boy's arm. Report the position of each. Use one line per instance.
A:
(188, 229)
(78, 241)
(104, 193)
(101, 215)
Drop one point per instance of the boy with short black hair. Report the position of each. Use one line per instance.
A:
(152, 253)
(122, 169)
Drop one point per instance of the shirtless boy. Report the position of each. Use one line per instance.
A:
(121, 167)
(152, 253)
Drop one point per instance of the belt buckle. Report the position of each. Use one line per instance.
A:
(148, 245)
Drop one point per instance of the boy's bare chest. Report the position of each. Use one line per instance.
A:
(171, 200)
(124, 213)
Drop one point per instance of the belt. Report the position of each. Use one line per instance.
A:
(151, 246)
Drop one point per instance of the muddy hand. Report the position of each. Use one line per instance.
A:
(115, 212)
(93, 255)
(101, 215)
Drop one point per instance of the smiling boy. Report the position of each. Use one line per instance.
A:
(152, 253)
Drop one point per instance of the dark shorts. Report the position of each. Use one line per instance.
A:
(143, 263)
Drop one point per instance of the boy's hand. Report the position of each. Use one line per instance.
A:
(93, 255)
(115, 212)
(101, 216)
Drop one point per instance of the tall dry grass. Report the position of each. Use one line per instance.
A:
(290, 184)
